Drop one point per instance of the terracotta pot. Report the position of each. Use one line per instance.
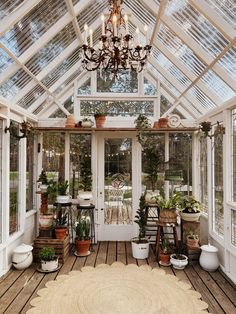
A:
(163, 123)
(192, 242)
(164, 258)
(70, 122)
(156, 125)
(100, 121)
(82, 247)
(61, 232)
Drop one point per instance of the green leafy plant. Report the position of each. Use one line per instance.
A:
(86, 174)
(193, 236)
(152, 165)
(47, 254)
(165, 245)
(189, 204)
(99, 114)
(82, 229)
(43, 178)
(142, 122)
(140, 218)
(172, 203)
(62, 187)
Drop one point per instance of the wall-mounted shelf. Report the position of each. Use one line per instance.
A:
(63, 129)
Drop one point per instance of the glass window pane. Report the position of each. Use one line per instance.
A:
(203, 173)
(117, 108)
(180, 162)
(126, 82)
(118, 181)
(1, 131)
(54, 157)
(30, 173)
(14, 183)
(80, 163)
(233, 227)
(218, 192)
(234, 155)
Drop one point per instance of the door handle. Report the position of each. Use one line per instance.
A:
(101, 208)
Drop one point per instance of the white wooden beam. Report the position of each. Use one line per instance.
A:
(162, 7)
(214, 18)
(16, 15)
(71, 10)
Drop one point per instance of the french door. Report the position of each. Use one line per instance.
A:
(118, 181)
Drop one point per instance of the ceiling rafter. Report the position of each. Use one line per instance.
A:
(229, 46)
(193, 45)
(11, 55)
(71, 10)
(157, 25)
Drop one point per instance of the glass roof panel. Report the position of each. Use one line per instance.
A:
(180, 50)
(226, 8)
(8, 6)
(141, 11)
(31, 97)
(228, 62)
(13, 85)
(197, 94)
(220, 88)
(33, 25)
(50, 51)
(58, 72)
(67, 82)
(170, 67)
(91, 13)
(197, 26)
(5, 61)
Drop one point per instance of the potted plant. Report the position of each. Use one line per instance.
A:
(179, 260)
(190, 208)
(192, 240)
(87, 123)
(62, 196)
(43, 182)
(168, 207)
(82, 240)
(61, 220)
(100, 119)
(142, 122)
(140, 245)
(85, 196)
(48, 258)
(164, 254)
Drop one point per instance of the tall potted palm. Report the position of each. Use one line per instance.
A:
(140, 244)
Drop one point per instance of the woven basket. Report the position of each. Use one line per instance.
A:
(168, 216)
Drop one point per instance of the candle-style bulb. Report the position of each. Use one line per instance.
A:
(103, 24)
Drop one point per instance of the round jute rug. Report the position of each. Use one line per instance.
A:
(117, 289)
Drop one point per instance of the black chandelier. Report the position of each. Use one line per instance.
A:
(118, 49)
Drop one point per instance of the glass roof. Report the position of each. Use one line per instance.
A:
(193, 55)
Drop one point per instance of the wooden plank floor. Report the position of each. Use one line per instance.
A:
(17, 288)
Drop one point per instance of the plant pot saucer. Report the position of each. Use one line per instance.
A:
(39, 269)
(82, 255)
(164, 264)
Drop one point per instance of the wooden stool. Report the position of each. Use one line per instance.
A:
(161, 234)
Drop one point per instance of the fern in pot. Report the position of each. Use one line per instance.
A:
(140, 244)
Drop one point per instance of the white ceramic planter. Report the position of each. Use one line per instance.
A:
(208, 259)
(190, 217)
(87, 124)
(49, 265)
(150, 196)
(140, 250)
(178, 263)
(43, 188)
(22, 256)
(62, 199)
(85, 198)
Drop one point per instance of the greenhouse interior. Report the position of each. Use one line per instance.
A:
(118, 131)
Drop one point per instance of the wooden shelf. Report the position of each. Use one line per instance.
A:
(63, 129)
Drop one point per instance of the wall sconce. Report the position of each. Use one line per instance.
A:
(25, 128)
(206, 127)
